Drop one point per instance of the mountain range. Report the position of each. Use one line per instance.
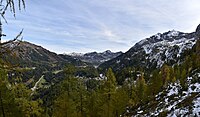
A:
(96, 58)
(153, 52)
(173, 48)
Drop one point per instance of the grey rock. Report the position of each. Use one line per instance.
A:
(198, 31)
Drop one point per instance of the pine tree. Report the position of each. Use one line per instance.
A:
(165, 72)
(81, 98)
(141, 88)
(109, 89)
(27, 106)
(183, 79)
(120, 101)
(93, 104)
(64, 106)
(16, 100)
(155, 84)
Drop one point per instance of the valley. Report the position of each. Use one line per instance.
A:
(158, 76)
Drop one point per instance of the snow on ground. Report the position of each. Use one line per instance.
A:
(171, 100)
(196, 108)
(173, 89)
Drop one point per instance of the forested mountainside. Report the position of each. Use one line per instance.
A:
(159, 76)
(35, 62)
(28, 53)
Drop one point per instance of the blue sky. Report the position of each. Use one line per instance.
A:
(65, 26)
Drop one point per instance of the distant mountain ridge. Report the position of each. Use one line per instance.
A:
(96, 58)
(27, 52)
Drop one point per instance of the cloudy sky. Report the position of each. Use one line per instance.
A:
(65, 26)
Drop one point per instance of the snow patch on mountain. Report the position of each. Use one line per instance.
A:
(196, 108)
(153, 52)
(75, 54)
(174, 101)
(165, 50)
(95, 58)
(173, 33)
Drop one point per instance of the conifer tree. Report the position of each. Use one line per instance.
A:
(93, 104)
(141, 88)
(155, 83)
(183, 79)
(64, 106)
(109, 89)
(120, 101)
(165, 72)
(16, 100)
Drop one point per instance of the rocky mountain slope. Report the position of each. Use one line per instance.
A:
(96, 58)
(172, 103)
(26, 52)
(153, 52)
(180, 97)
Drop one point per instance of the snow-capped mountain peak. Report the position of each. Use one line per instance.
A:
(173, 33)
(75, 54)
(106, 52)
(95, 58)
(169, 36)
(153, 52)
(167, 48)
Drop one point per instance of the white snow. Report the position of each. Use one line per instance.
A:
(158, 36)
(118, 61)
(173, 33)
(163, 47)
(142, 41)
(196, 108)
(147, 49)
(173, 89)
(140, 112)
(36, 84)
(75, 54)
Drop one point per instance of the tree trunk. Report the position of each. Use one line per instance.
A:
(2, 109)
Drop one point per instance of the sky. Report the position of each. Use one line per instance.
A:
(65, 26)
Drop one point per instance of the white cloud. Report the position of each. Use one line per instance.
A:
(82, 26)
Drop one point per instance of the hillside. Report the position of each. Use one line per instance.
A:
(30, 53)
(37, 62)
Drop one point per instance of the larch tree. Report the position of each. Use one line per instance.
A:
(165, 73)
(109, 89)
(141, 88)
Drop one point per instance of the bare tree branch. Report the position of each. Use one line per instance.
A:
(10, 4)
